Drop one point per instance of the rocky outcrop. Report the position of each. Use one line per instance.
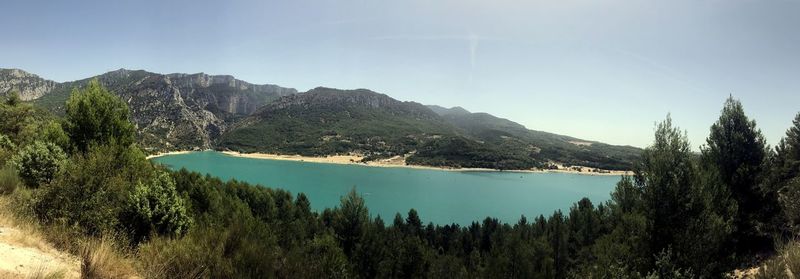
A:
(27, 85)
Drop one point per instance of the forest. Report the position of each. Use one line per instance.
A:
(682, 214)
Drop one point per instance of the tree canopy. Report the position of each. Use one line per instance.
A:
(95, 116)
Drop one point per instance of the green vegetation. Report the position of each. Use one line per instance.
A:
(156, 208)
(327, 121)
(462, 152)
(515, 140)
(39, 163)
(97, 117)
(9, 180)
(679, 216)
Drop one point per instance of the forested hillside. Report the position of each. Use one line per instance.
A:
(83, 179)
(326, 121)
(509, 135)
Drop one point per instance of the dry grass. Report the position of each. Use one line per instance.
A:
(9, 181)
(42, 272)
(785, 264)
(791, 256)
(100, 258)
(169, 258)
(773, 269)
(24, 234)
(20, 231)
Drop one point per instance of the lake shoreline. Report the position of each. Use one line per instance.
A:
(161, 154)
(394, 162)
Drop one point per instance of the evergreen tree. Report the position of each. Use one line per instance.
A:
(350, 221)
(783, 179)
(95, 116)
(736, 150)
(666, 176)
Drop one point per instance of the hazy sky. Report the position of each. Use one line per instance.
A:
(599, 70)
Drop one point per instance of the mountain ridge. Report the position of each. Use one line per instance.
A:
(180, 111)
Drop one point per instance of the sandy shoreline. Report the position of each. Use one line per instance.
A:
(394, 162)
(168, 153)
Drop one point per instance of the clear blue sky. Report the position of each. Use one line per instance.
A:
(599, 70)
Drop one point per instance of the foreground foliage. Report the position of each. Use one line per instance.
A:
(679, 216)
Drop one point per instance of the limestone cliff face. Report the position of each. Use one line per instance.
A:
(173, 111)
(29, 86)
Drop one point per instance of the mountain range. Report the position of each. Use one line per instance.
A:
(200, 111)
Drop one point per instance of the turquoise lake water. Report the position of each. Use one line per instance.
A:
(441, 197)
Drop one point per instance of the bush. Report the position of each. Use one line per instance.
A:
(39, 163)
(46, 131)
(8, 180)
(155, 207)
(6, 149)
(6, 143)
(92, 191)
(245, 249)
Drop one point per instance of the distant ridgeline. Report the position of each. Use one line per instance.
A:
(199, 111)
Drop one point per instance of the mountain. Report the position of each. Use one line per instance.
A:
(29, 86)
(447, 111)
(172, 111)
(191, 111)
(326, 121)
(552, 147)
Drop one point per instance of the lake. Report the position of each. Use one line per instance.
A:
(439, 196)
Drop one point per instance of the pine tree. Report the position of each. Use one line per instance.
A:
(736, 150)
(95, 116)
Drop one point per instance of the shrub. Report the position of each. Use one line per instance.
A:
(6, 143)
(246, 249)
(6, 148)
(92, 191)
(46, 131)
(39, 163)
(8, 180)
(155, 207)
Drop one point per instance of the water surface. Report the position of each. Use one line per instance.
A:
(439, 196)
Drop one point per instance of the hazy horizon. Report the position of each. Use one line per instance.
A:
(598, 71)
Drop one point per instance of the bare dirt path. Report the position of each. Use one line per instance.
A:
(25, 255)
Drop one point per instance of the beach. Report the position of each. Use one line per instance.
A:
(400, 162)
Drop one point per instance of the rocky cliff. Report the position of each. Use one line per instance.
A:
(29, 86)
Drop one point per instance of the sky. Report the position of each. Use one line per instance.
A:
(597, 70)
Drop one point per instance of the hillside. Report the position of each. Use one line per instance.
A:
(327, 121)
(548, 146)
(172, 111)
(29, 86)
